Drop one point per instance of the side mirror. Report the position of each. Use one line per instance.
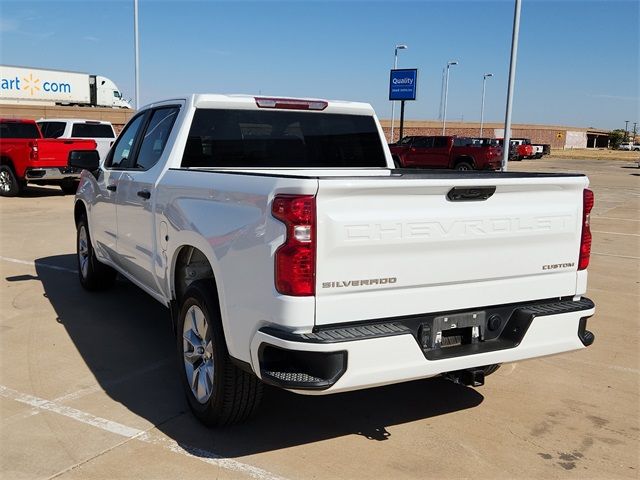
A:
(84, 160)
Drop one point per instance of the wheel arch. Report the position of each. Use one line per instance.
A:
(205, 267)
(5, 160)
(79, 209)
(464, 158)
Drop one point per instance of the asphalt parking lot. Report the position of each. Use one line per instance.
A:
(89, 385)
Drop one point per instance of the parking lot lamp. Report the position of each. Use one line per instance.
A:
(512, 79)
(393, 104)
(446, 95)
(136, 53)
(484, 84)
(626, 130)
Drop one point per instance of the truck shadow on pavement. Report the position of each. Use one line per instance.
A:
(36, 191)
(125, 338)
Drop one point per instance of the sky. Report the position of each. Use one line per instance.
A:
(578, 61)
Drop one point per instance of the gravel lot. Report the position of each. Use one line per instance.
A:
(89, 386)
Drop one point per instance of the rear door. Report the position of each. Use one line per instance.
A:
(396, 246)
(136, 187)
(418, 154)
(439, 154)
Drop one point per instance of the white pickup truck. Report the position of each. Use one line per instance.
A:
(291, 252)
(101, 132)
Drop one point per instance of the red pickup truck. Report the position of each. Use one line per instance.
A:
(25, 156)
(458, 153)
(520, 148)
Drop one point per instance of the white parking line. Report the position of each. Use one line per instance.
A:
(617, 256)
(39, 264)
(617, 218)
(136, 434)
(617, 233)
(83, 392)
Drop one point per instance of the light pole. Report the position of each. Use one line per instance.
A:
(626, 130)
(484, 85)
(393, 104)
(135, 41)
(506, 145)
(446, 95)
(441, 96)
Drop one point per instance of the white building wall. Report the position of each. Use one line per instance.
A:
(576, 140)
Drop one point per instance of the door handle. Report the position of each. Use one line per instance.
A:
(470, 194)
(112, 188)
(146, 194)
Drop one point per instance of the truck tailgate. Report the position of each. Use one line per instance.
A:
(54, 152)
(388, 247)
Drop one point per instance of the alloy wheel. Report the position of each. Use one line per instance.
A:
(83, 251)
(5, 181)
(197, 350)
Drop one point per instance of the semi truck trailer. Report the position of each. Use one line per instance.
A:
(37, 86)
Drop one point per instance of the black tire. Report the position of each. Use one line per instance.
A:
(10, 186)
(70, 187)
(93, 274)
(489, 369)
(234, 393)
(463, 166)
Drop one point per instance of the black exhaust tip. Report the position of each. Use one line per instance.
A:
(472, 377)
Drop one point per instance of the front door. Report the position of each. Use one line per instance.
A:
(102, 223)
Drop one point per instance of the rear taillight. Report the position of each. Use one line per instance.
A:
(295, 259)
(33, 154)
(291, 103)
(585, 241)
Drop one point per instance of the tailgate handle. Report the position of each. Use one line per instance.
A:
(470, 194)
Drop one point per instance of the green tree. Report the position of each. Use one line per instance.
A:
(616, 137)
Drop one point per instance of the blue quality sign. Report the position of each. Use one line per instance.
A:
(403, 84)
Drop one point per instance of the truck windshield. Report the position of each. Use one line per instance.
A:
(263, 139)
(18, 130)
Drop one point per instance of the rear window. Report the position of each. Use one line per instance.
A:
(462, 142)
(51, 129)
(92, 130)
(259, 139)
(18, 130)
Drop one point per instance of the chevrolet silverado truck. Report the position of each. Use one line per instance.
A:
(76, 128)
(25, 156)
(457, 153)
(291, 252)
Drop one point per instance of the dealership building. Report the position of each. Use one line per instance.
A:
(559, 137)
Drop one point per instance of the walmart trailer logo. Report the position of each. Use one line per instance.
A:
(31, 85)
